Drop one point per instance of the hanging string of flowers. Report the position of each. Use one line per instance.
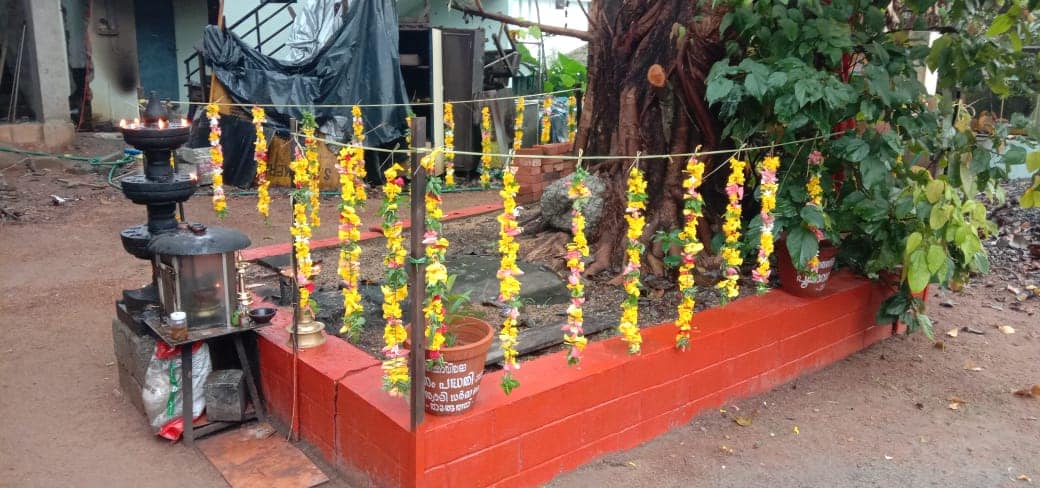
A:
(577, 249)
(731, 259)
(815, 191)
(518, 125)
(395, 367)
(691, 246)
(263, 201)
(216, 156)
(310, 152)
(629, 327)
(767, 176)
(358, 159)
(509, 285)
(485, 147)
(301, 230)
(436, 272)
(572, 118)
(546, 119)
(349, 268)
(408, 129)
(449, 144)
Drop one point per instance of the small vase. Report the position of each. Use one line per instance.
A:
(800, 283)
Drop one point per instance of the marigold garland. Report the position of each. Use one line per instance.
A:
(572, 118)
(629, 327)
(485, 147)
(349, 232)
(408, 130)
(358, 158)
(731, 259)
(518, 125)
(546, 119)
(449, 144)
(395, 367)
(310, 152)
(767, 176)
(216, 155)
(691, 246)
(815, 191)
(577, 249)
(263, 202)
(301, 231)
(436, 272)
(509, 285)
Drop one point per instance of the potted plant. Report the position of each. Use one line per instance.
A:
(454, 372)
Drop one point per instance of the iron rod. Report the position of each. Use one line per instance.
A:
(418, 278)
(294, 280)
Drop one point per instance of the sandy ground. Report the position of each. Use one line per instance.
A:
(879, 418)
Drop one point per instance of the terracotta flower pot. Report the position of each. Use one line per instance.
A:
(801, 284)
(452, 388)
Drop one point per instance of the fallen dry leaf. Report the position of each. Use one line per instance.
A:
(887, 457)
(795, 430)
(970, 366)
(1007, 329)
(726, 449)
(940, 345)
(742, 421)
(953, 332)
(956, 402)
(1029, 392)
(1025, 478)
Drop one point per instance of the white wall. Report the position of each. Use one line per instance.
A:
(113, 56)
(235, 9)
(189, 19)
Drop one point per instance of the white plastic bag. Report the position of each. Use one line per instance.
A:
(162, 387)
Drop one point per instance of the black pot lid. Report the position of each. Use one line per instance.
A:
(197, 239)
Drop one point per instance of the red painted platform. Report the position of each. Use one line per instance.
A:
(562, 417)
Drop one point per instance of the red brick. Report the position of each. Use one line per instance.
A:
(452, 441)
(647, 370)
(754, 363)
(663, 398)
(553, 440)
(609, 418)
(707, 381)
(875, 334)
(317, 424)
(367, 457)
(485, 467)
(645, 430)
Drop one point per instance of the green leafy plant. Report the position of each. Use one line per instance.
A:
(455, 305)
(565, 73)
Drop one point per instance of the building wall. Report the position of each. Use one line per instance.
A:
(189, 18)
(236, 9)
(113, 45)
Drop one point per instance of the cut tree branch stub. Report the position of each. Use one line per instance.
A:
(506, 19)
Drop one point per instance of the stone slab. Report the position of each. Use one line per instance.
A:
(225, 395)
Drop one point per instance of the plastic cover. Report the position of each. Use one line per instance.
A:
(315, 23)
(359, 65)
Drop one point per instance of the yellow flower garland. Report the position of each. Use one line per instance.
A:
(731, 259)
(395, 367)
(263, 202)
(629, 327)
(216, 155)
(436, 272)
(691, 246)
(577, 249)
(546, 119)
(815, 191)
(349, 268)
(509, 285)
(485, 147)
(358, 158)
(572, 118)
(301, 232)
(310, 152)
(518, 125)
(449, 144)
(767, 175)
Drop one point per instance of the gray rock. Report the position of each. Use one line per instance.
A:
(556, 207)
(225, 396)
(477, 274)
(195, 160)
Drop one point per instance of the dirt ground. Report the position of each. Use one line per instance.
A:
(879, 418)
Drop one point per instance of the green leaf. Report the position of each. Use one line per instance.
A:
(913, 242)
(755, 85)
(934, 190)
(776, 79)
(813, 216)
(874, 173)
(856, 150)
(1033, 161)
(926, 326)
(1001, 24)
(718, 89)
(917, 273)
(936, 258)
(938, 217)
(1029, 199)
(535, 31)
(802, 245)
(789, 28)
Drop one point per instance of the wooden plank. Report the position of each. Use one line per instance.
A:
(538, 338)
(252, 456)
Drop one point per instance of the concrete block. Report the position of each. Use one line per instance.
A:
(143, 348)
(131, 389)
(27, 133)
(58, 135)
(225, 396)
(133, 351)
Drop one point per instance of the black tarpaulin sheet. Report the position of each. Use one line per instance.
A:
(359, 65)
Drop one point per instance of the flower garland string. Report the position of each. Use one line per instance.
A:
(485, 148)
(449, 145)
(518, 125)
(310, 153)
(349, 233)
(216, 155)
(629, 327)
(436, 272)
(731, 259)
(509, 285)
(546, 119)
(358, 169)
(767, 176)
(263, 202)
(301, 231)
(693, 206)
(577, 249)
(395, 367)
(815, 191)
(572, 118)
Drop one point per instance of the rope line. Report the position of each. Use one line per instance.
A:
(532, 96)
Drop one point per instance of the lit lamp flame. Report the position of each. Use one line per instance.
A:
(194, 177)
(136, 123)
(184, 122)
(162, 124)
(122, 123)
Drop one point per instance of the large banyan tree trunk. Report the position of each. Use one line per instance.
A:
(646, 94)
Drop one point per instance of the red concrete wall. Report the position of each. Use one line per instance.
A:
(534, 174)
(562, 417)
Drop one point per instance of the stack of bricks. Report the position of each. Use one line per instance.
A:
(534, 174)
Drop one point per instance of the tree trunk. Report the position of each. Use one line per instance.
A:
(624, 113)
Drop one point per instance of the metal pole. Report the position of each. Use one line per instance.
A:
(294, 280)
(418, 278)
(17, 78)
